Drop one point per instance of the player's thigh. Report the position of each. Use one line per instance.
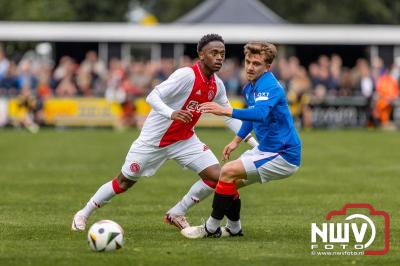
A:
(277, 168)
(252, 160)
(194, 154)
(142, 160)
(232, 171)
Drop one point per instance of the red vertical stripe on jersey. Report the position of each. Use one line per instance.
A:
(202, 91)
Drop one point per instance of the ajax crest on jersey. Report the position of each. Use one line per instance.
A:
(105, 235)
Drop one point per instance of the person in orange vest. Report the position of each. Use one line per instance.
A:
(387, 91)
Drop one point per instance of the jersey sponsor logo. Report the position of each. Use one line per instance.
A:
(135, 167)
(210, 95)
(193, 106)
(205, 147)
(262, 96)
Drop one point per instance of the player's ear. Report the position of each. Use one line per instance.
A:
(201, 55)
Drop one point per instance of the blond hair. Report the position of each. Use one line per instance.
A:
(268, 50)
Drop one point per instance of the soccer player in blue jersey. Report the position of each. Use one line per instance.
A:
(278, 155)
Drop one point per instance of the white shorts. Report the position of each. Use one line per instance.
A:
(265, 166)
(144, 160)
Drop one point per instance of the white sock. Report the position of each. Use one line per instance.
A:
(212, 224)
(197, 193)
(99, 199)
(234, 226)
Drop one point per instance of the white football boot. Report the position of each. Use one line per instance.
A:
(226, 232)
(200, 231)
(79, 222)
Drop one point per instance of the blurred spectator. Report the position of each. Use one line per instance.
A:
(128, 82)
(65, 77)
(387, 91)
(8, 84)
(92, 74)
(313, 70)
(299, 98)
(25, 76)
(116, 73)
(26, 110)
(4, 64)
(185, 61)
(229, 74)
(346, 86)
(167, 67)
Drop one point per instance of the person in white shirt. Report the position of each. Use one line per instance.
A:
(168, 133)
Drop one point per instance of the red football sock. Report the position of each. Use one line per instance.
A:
(116, 187)
(209, 183)
(224, 188)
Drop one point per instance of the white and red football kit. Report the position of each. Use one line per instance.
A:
(162, 138)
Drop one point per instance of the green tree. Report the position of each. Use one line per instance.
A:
(103, 10)
(36, 10)
(338, 12)
(63, 10)
(170, 10)
(294, 11)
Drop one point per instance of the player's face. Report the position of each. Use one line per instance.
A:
(213, 55)
(255, 66)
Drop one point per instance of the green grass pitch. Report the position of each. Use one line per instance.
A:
(46, 178)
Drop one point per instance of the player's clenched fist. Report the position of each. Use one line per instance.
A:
(182, 115)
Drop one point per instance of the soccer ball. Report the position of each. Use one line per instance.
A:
(105, 235)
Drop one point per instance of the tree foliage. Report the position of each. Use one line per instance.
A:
(298, 11)
(338, 11)
(63, 10)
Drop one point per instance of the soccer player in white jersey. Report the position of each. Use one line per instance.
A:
(168, 133)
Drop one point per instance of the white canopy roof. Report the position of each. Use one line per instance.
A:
(177, 33)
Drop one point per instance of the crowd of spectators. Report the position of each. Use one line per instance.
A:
(124, 81)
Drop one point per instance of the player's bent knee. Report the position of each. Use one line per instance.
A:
(228, 173)
(124, 182)
(211, 173)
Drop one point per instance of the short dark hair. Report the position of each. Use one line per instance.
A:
(207, 39)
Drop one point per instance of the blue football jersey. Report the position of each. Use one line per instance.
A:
(269, 117)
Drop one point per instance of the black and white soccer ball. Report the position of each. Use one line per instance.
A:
(105, 235)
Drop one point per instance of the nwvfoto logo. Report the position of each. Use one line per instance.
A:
(351, 233)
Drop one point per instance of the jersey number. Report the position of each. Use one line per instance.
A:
(193, 106)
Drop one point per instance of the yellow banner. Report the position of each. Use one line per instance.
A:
(95, 112)
(81, 112)
(72, 111)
